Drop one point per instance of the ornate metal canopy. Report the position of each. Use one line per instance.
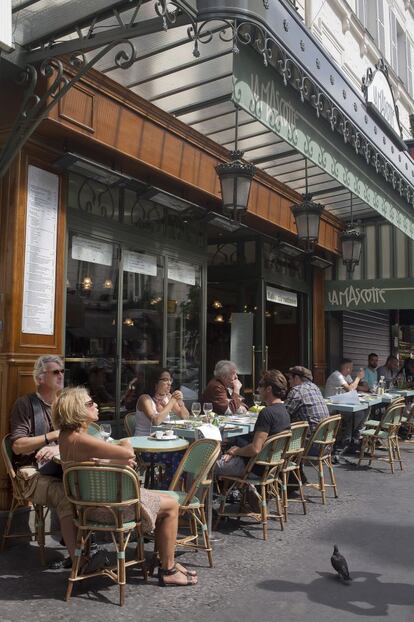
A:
(178, 55)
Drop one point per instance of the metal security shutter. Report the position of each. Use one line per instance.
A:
(364, 332)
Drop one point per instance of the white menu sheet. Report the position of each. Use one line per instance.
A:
(182, 272)
(38, 315)
(91, 251)
(140, 263)
(241, 341)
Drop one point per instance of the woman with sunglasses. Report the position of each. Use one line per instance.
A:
(153, 408)
(72, 412)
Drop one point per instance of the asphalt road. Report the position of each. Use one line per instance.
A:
(287, 578)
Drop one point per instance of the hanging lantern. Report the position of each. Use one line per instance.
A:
(307, 216)
(87, 283)
(351, 242)
(235, 180)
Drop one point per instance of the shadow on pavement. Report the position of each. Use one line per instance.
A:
(365, 596)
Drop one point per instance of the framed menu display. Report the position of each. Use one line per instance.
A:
(39, 283)
(181, 272)
(241, 341)
(91, 250)
(140, 263)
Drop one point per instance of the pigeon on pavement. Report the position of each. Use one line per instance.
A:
(339, 564)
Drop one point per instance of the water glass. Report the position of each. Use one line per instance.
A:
(105, 430)
(256, 399)
(207, 409)
(195, 409)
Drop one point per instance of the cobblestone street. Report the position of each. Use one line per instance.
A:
(289, 577)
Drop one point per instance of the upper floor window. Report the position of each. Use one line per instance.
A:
(371, 15)
(401, 53)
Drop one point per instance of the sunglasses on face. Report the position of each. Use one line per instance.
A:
(89, 403)
(56, 372)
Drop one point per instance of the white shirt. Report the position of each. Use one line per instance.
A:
(336, 379)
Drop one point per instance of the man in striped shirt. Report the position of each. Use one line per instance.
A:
(305, 401)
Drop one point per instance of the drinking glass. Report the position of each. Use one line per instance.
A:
(256, 399)
(375, 388)
(106, 430)
(195, 409)
(207, 409)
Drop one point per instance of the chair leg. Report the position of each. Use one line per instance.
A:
(140, 553)
(279, 506)
(285, 501)
(206, 537)
(299, 479)
(75, 566)
(121, 567)
(397, 449)
(263, 511)
(390, 455)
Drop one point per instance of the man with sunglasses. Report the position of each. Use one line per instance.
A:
(34, 445)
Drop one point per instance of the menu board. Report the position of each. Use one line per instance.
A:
(39, 284)
(182, 272)
(241, 341)
(140, 263)
(91, 251)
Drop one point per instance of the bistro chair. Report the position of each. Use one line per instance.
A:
(385, 434)
(318, 454)
(19, 500)
(129, 423)
(262, 487)
(114, 489)
(292, 466)
(190, 486)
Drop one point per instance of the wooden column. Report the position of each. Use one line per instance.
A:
(18, 350)
(318, 327)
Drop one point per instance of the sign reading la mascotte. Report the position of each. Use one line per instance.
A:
(372, 294)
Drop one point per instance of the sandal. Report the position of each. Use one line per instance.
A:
(174, 570)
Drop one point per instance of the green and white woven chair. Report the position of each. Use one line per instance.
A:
(263, 487)
(190, 486)
(292, 466)
(318, 454)
(19, 500)
(130, 422)
(114, 489)
(385, 434)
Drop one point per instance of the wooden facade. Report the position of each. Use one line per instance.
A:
(102, 120)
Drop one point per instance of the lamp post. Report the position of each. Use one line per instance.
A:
(307, 216)
(235, 181)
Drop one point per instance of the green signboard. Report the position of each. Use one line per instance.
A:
(372, 294)
(260, 91)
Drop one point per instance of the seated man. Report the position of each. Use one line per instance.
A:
(351, 423)
(305, 401)
(34, 444)
(371, 372)
(389, 370)
(271, 420)
(223, 391)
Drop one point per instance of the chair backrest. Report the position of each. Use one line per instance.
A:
(325, 434)
(94, 429)
(88, 484)
(129, 423)
(393, 415)
(272, 454)
(197, 462)
(299, 430)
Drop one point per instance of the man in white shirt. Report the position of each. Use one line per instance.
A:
(342, 379)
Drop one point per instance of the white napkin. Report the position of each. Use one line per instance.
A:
(351, 397)
(208, 430)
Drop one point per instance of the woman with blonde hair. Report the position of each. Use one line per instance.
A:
(72, 412)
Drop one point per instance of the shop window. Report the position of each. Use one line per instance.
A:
(235, 253)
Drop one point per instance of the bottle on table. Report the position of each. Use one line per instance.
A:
(381, 385)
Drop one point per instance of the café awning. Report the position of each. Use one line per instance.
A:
(196, 59)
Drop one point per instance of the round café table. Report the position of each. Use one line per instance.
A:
(152, 445)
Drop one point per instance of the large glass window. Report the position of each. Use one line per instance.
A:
(184, 326)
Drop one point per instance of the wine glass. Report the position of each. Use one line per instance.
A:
(195, 409)
(207, 409)
(106, 430)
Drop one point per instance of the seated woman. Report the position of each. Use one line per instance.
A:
(153, 408)
(72, 413)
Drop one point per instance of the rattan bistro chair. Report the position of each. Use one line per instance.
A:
(291, 468)
(18, 500)
(130, 422)
(318, 454)
(190, 486)
(385, 434)
(264, 487)
(116, 489)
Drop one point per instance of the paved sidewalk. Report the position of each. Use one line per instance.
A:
(288, 577)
